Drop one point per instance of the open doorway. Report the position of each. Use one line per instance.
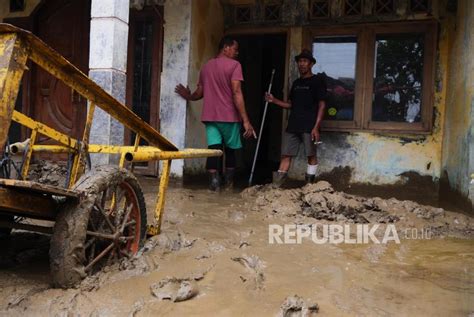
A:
(143, 73)
(259, 54)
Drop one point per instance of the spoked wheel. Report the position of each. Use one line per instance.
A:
(109, 223)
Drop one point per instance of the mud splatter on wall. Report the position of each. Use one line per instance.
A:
(207, 28)
(458, 150)
(380, 159)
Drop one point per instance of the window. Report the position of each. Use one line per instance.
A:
(272, 12)
(352, 7)
(17, 5)
(384, 7)
(398, 78)
(419, 6)
(319, 9)
(243, 14)
(336, 56)
(380, 77)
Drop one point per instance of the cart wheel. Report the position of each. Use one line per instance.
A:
(108, 223)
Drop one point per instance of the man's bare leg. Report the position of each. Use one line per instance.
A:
(280, 176)
(311, 169)
(285, 164)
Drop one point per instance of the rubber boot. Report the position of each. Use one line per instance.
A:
(214, 181)
(229, 178)
(279, 179)
(309, 178)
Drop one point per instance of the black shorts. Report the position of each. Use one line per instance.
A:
(292, 141)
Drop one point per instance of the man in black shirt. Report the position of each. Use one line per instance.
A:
(307, 104)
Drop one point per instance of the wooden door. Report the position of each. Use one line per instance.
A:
(64, 25)
(144, 72)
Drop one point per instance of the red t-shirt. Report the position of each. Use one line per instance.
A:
(215, 79)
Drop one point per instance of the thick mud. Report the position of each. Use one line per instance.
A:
(213, 257)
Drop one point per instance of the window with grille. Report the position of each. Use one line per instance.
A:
(272, 12)
(419, 6)
(319, 9)
(243, 14)
(384, 7)
(17, 5)
(380, 77)
(353, 7)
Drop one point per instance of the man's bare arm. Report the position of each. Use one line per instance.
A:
(278, 102)
(185, 93)
(319, 119)
(240, 105)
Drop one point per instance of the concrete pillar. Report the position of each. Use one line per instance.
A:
(176, 56)
(108, 64)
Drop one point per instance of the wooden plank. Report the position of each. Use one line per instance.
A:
(22, 203)
(38, 188)
(25, 226)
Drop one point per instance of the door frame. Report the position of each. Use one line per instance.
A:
(156, 12)
(29, 86)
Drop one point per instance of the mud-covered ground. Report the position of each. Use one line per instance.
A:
(214, 258)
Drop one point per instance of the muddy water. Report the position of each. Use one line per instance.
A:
(220, 242)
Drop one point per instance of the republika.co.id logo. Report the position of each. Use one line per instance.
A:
(334, 233)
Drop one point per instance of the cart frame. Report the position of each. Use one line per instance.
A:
(17, 46)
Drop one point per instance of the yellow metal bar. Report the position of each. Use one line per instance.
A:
(29, 154)
(88, 126)
(13, 56)
(117, 149)
(122, 160)
(160, 200)
(44, 129)
(75, 170)
(145, 156)
(58, 66)
(78, 166)
(136, 143)
(17, 148)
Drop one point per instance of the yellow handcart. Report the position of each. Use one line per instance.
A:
(99, 216)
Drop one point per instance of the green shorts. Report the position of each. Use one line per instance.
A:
(227, 133)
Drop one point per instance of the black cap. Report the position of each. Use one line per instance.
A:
(305, 53)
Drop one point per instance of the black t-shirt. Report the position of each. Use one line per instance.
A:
(305, 95)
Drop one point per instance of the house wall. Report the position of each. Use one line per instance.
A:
(107, 68)
(380, 159)
(458, 149)
(359, 157)
(5, 13)
(207, 28)
(176, 58)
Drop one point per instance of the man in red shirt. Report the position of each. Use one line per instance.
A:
(223, 109)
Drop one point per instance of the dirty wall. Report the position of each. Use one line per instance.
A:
(207, 28)
(380, 159)
(364, 157)
(458, 148)
(176, 50)
(30, 5)
(371, 158)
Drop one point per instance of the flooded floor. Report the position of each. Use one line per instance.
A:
(220, 244)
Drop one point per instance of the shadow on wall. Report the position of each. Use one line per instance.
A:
(450, 195)
(412, 186)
